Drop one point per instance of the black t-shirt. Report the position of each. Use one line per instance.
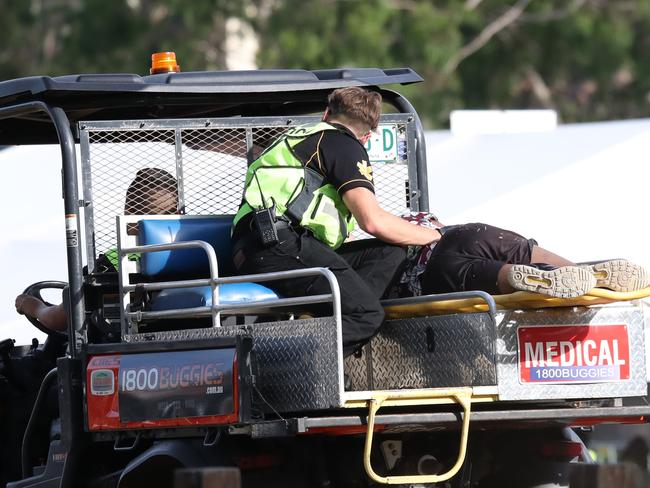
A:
(338, 156)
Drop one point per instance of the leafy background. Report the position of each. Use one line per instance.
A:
(584, 58)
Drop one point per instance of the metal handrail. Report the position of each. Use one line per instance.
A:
(123, 254)
(215, 281)
(196, 312)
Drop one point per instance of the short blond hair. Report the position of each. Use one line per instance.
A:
(357, 106)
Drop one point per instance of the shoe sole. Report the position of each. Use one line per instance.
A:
(620, 275)
(564, 282)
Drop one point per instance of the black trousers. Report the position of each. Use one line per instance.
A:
(364, 270)
(469, 257)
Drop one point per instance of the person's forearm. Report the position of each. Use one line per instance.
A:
(383, 225)
(51, 316)
(394, 230)
(55, 317)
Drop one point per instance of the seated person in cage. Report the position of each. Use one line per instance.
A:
(153, 191)
(482, 257)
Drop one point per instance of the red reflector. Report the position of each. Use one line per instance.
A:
(561, 449)
(589, 421)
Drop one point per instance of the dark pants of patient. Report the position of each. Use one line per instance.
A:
(469, 257)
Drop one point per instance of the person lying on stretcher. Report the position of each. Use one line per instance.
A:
(482, 257)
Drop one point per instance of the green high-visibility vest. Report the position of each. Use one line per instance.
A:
(113, 258)
(279, 178)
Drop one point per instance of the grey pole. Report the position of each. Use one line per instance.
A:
(73, 248)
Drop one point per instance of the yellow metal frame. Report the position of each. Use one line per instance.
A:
(517, 300)
(377, 399)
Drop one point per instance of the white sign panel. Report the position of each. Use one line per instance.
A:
(382, 146)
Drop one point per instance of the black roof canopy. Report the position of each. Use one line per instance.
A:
(173, 95)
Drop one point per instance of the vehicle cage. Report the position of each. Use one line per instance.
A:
(176, 296)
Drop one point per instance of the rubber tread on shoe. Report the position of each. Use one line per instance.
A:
(563, 282)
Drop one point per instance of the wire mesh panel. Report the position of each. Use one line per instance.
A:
(198, 167)
(214, 163)
(117, 158)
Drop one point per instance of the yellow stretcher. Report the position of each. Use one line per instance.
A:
(517, 300)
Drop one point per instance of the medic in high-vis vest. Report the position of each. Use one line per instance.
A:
(278, 180)
(303, 197)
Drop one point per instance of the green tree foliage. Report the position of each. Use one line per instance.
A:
(585, 58)
(581, 57)
(315, 34)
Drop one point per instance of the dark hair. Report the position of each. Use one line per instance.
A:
(357, 105)
(146, 183)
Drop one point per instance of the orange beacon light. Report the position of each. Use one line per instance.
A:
(164, 62)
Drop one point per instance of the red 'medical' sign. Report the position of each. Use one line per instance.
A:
(573, 354)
